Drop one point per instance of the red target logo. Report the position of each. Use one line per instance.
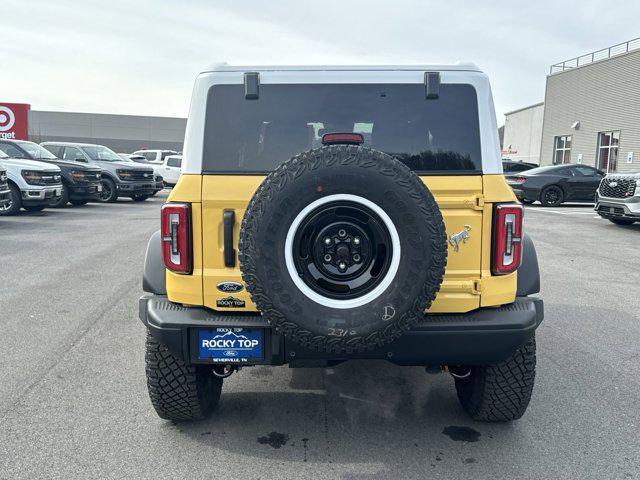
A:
(14, 119)
(7, 119)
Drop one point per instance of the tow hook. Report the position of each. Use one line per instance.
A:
(224, 371)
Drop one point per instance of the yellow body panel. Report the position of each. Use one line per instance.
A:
(465, 202)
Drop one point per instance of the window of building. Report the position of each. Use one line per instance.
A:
(608, 143)
(562, 149)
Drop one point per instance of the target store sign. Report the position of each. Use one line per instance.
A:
(14, 121)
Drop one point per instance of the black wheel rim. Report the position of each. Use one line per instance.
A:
(106, 191)
(342, 250)
(552, 195)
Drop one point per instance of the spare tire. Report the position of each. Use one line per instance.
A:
(342, 248)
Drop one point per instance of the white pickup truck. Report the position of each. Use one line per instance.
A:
(33, 185)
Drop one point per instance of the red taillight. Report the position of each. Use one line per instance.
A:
(520, 180)
(507, 238)
(176, 237)
(348, 138)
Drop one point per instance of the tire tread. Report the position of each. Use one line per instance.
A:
(178, 391)
(500, 392)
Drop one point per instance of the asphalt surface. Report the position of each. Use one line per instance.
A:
(73, 400)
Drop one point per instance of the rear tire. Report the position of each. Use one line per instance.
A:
(552, 196)
(500, 392)
(621, 221)
(15, 202)
(179, 392)
(109, 193)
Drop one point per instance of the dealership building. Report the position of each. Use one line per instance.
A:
(590, 114)
(122, 133)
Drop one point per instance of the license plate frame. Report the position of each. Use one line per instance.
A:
(230, 345)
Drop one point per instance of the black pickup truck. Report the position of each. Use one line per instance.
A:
(80, 183)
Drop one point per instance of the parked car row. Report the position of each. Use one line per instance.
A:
(54, 174)
(616, 195)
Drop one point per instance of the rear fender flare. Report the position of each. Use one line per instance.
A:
(528, 272)
(154, 276)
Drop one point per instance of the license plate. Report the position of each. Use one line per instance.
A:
(58, 192)
(231, 345)
(100, 188)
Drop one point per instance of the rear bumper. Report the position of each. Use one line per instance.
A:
(484, 336)
(527, 194)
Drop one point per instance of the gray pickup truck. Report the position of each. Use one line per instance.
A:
(119, 178)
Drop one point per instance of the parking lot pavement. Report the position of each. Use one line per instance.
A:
(73, 400)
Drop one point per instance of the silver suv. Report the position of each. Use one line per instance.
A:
(618, 198)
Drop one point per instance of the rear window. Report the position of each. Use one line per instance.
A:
(174, 162)
(255, 136)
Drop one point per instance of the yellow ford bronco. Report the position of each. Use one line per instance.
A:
(327, 214)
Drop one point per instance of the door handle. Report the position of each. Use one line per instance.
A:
(228, 221)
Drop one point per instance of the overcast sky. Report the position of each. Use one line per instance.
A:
(141, 56)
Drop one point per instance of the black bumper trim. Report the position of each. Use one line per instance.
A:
(480, 337)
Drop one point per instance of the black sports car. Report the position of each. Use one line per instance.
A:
(555, 184)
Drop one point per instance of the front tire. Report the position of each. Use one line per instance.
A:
(109, 193)
(500, 392)
(139, 198)
(179, 392)
(621, 221)
(15, 202)
(79, 203)
(551, 196)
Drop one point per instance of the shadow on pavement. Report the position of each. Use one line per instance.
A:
(358, 412)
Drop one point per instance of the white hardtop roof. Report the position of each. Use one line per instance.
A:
(224, 67)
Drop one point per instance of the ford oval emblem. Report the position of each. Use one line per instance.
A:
(230, 287)
(230, 353)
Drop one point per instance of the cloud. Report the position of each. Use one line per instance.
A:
(142, 57)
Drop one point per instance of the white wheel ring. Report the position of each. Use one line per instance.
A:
(352, 302)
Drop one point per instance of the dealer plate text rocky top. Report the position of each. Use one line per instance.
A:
(334, 213)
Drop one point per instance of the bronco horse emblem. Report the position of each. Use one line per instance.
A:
(461, 237)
